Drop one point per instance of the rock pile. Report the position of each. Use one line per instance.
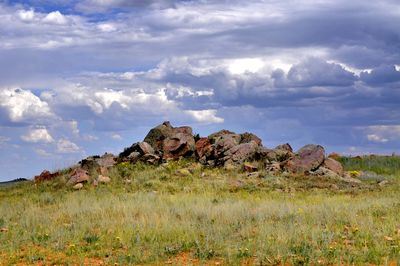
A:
(223, 148)
(229, 149)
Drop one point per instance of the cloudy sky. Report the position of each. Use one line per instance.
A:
(84, 77)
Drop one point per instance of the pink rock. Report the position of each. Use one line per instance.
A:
(308, 158)
(334, 166)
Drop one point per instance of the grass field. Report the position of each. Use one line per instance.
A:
(154, 215)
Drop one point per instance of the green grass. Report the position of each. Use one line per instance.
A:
(151, 215)
(384, 165)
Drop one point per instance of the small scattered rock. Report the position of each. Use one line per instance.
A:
(383, 183)
(248, 167)
(273, 168)
(103, 179)
(78, 186)
(3, 229)
(254, 175)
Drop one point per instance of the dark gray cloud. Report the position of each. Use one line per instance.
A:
(381, 75)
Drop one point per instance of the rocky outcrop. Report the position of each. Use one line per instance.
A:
(46, 176)
(223, 148)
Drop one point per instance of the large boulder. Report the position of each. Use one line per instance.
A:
(308, 158)
(204, 150)
(179, 144)
(222, 142)
(78, 175)
(228, 148)
(171, 142)
(137, 151)
(280, 154)
(140, 147)
(156, 135)
(334, 166)
(241, 153)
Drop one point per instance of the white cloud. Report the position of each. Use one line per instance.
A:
(36, 135)
(205, 116)
(116, 136)
(55, 17)
(383, 133)
(74, 127)
(240, 66)
(43, 153)
(23, 105)
(26, 15)
(67, 146)
(106, 27)
(376, 138)
(88, 137)
(107, 97)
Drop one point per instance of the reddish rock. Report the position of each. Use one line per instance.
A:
(180, 144)
(156, 135)
(308, 158)
(204, 150)
(334, 166)
(78, 175)
(45, 176)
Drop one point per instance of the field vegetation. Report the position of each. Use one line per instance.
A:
(185, 214)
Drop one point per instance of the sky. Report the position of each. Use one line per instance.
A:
(80, 78)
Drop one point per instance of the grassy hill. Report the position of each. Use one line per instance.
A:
(183, 214)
